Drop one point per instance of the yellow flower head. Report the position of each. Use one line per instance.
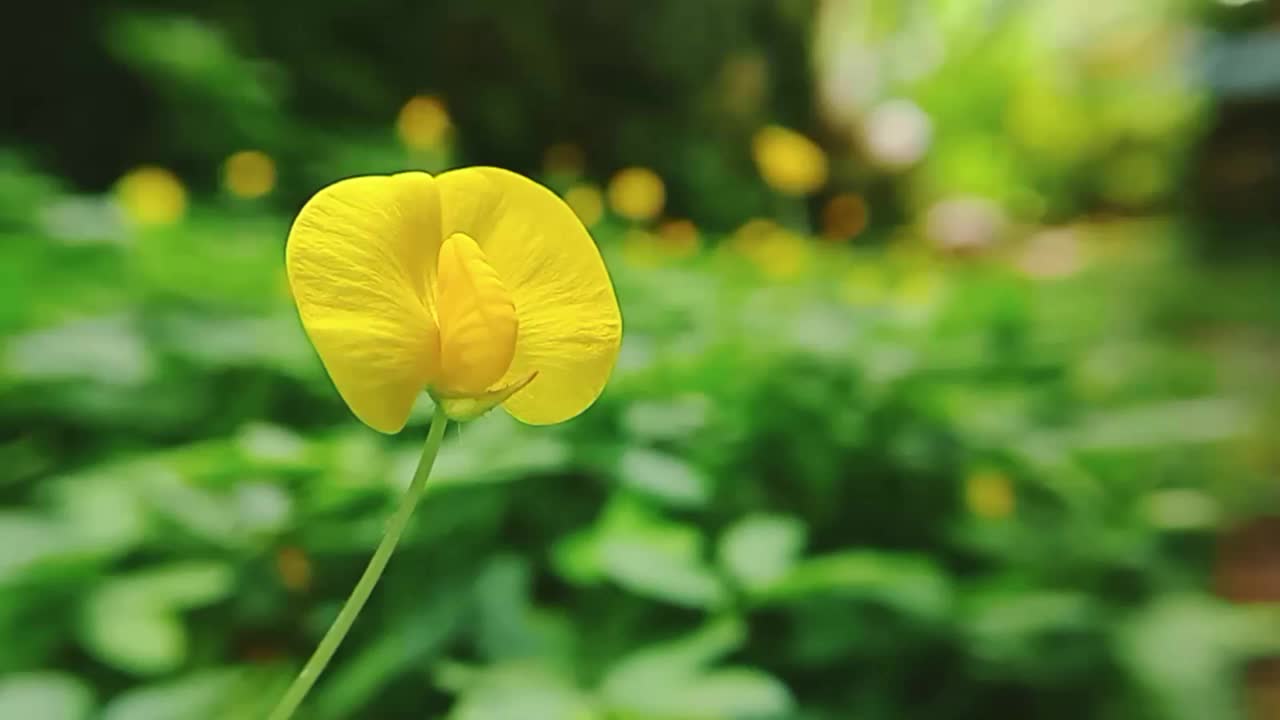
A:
(478, 285)
(679, 237)
(249, 173)
(844, 216)
(989, 494)
(791, 163)
(423, 123)
(637, 193)
(152, 195)
(773, 249)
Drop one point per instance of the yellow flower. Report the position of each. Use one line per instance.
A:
(152, 196)
(423, 123)
(586, 202)
(844, 216)
(640, 249)
(478, 285)
(637, 194)
(989, 494)
(791, 163)
(679, 237)
(773, 249)
(249, 173)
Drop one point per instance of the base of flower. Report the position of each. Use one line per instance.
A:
(469, 407)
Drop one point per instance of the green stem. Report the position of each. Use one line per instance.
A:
(347, 616)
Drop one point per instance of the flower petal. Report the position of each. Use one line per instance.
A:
(570, 327)
(360, 258)
(477, 319)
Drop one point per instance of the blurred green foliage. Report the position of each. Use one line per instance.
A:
(896, 481)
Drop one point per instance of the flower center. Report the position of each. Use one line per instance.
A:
(477, 319)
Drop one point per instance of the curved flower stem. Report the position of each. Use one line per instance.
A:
(347, 616)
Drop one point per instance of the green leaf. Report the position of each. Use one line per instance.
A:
(132, 622)
(663, 477)
(44, 696)
(1186, 652)
(667, 419)
(734, 693)
(651, 565)
(672, 679)
(760, 549)
(656, 664)
(909, 583)
(139, 642)
(29, 539)
(522, 692)
(1018, 625)
(644, 553)
(221, 694)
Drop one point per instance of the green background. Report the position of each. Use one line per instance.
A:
(1014, 466)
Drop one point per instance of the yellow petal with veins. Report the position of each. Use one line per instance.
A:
(360, 260)
(569, 325)
(477, 319)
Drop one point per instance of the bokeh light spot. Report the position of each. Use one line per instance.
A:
(844, 216)
(679, 237)
(423, 123)
(151, 195)
(249, 173)
(789, 162)
(989, 495)
(586, 202)
(637, 193)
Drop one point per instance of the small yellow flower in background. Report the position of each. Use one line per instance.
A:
(637, 193)
(989, 494)
(640, 248)
(679, 238)
(294, 568)
(249, 173)
(789, 162)
(151, 195)
(564, 158)
(423, 123)
(844, 216)
(478, 285)
(586, 202)
(773, 249)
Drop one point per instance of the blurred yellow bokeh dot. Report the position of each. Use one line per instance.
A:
(989, 494)
(249, 173)
(640, 249)
(752, 233)
(844, 216)
(565, 158)
(789, 162)
(777, 252)
(423, 123)
(586, 202)
(637, 193)
(679, 237)
(151, 195)
(294, 568)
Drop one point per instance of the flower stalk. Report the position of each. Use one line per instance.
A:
(324, 652)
